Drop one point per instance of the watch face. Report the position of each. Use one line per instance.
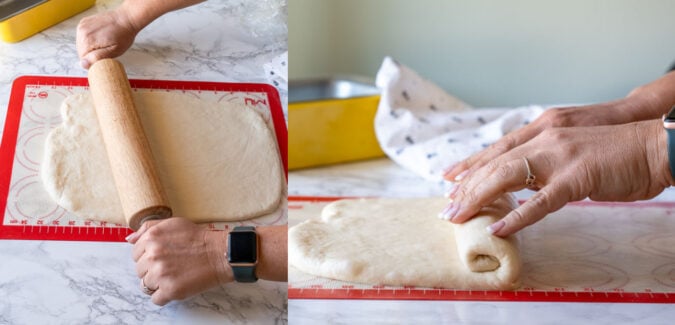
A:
(670, 117)
(242, 247)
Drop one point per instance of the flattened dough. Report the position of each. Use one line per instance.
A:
(217, 162)
(402, 242)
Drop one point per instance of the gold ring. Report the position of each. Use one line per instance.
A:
(147, 290)
(529, 181)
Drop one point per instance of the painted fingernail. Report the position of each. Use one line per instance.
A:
(451, 192)
(450, 211)
(449, 169)
(445, 214)
(131, 236)
(461, 175)
(441, 215)
(495, 227)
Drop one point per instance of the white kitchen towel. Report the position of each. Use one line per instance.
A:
(425, 129)
(277, 71)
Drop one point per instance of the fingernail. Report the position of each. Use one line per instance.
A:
(451, 192)
(131, 236)
(461, 175)
(453, 212)
(444, 214)
(449, 168)
(449, 212)
(84, 63)
(495, 227)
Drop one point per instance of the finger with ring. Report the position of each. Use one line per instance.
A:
(145, 288)
(530, 179)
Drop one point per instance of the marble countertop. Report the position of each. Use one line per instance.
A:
(382, 177)
(62, 282)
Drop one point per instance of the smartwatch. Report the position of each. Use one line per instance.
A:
(669, 125)
(242, 253)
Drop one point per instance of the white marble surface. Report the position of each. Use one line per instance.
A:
(382, 177)
(52, 282)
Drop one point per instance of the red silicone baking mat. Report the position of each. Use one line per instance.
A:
(27, 211)
(586, 252)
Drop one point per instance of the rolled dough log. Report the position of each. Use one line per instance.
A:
(402, 242)
(216, 161)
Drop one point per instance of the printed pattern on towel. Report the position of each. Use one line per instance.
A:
(277, 71)
(425, 129)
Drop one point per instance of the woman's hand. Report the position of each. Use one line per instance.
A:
(179, 259)
(646, 102)
(625, 162)
(615, 112)
(110, 34)
(105, 35)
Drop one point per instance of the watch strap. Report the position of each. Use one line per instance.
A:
(243, 228)
(244, 273)
(671, 150)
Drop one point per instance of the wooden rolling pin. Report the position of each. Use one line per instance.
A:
(131, 160)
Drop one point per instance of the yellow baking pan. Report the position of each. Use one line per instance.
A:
(331, 121)
(20, 19)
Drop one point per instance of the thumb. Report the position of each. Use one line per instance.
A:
(549, 199)
(133, 237)
(96, 55)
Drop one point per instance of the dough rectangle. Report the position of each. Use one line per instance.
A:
(401, 242)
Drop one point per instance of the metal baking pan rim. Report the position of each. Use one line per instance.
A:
(362, 87)
(15, 7)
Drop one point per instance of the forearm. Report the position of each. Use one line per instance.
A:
(652, 134)
(142, 12)
(653, 99)
(273, 259)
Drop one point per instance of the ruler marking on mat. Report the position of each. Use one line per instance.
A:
(460, 295)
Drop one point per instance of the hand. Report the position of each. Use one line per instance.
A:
(605, 163)
(615, 112)
(179, 258)
(104, 35)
